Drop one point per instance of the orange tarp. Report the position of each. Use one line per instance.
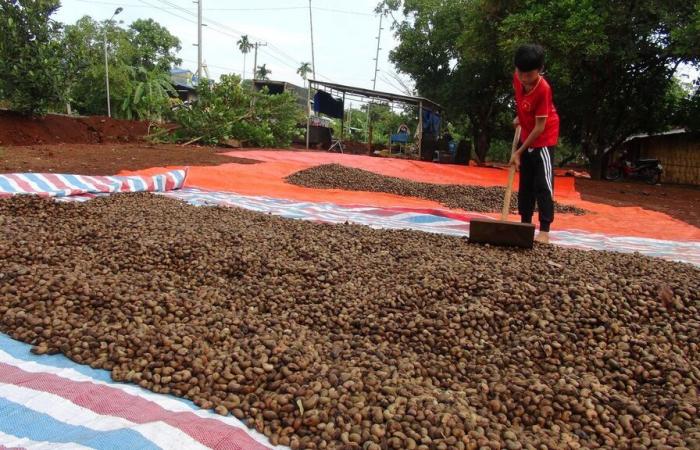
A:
(267, 179)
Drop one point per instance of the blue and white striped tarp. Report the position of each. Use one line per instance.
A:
(64, 185)
(50, 402)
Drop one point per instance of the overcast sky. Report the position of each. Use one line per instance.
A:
(344, 34)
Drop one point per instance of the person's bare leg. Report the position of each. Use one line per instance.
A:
(543, 237)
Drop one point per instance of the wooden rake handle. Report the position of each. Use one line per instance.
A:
(511, 177)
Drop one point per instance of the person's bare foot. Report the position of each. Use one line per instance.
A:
(543, 237)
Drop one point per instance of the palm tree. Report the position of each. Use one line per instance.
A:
(304, 70)
(245, 47)
(263, 72)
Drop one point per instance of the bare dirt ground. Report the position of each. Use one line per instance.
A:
(103, 146)
(19, 129)
(108, 159)
(679, 202)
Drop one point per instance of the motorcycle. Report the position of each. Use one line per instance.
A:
(649, 170)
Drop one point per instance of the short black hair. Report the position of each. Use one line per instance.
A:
(529, 57)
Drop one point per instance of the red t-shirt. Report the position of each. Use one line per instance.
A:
(536, 103)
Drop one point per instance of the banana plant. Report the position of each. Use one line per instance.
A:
(151, 95)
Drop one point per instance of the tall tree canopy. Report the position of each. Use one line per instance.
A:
(142, 53)
(30, 54)
(451, 50)
(154, 46)
(611, 64)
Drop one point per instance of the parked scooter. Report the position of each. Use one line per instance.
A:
(649, 170)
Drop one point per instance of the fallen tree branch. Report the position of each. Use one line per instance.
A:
(192, 141)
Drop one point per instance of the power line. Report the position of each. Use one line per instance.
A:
(292, 8)
(344, 11)
(284, 8)
(222, 27)
(114, 4)
(169, 12)
(211, 65)
(281, 8)
(219, 27)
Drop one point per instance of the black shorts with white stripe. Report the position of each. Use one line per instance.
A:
(537, 186)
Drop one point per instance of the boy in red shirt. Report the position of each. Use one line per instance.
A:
(539, 124)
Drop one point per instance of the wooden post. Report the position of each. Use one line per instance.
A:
(308, 114)
(369, 128)
(420, 130)
(342, 120)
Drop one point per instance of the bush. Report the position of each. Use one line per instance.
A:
(227, 110)
(499, 151)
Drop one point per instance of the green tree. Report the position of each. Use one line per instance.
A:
(262, 72)
(245, 46)
(153, 45)
(84, 64)
(612, 64)
(688, 114)
(304, 70)
(144, 48)
(224, 111)
(450, 49)
(30, 68)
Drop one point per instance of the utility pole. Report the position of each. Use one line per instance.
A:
(109, 106)
(374, 83)
(255, 60)
(311, 24)
(313, 70)
(376, 58)
(199, 39)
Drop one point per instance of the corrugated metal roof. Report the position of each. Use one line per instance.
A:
(429, 104)
(663, 133)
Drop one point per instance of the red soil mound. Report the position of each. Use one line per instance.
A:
(18, 129)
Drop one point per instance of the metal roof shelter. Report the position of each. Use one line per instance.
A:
(363, 94)
(278, 87)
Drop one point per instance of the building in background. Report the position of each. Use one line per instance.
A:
(678, 151)
(184, 82)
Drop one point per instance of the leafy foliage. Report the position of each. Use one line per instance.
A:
(611, 64)
(84, 64)
(450, 49)
(153, 47)
(150, 94)
(225, 110)
(385, 121)
(139, 61)
(30, 55)
(689, 110)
